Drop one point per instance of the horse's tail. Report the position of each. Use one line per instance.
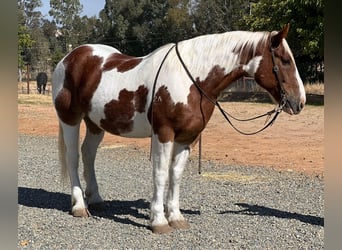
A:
(61, 153)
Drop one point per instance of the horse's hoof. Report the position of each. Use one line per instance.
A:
(96, 206)
(162, 229)
(179, 224)
(81, 212)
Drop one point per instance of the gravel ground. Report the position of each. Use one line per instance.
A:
(228, 207)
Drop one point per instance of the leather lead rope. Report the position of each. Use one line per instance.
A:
(153, 93)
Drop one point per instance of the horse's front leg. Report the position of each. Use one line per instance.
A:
(161, 155)
(179, 160)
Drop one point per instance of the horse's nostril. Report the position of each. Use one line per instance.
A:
(301, 106)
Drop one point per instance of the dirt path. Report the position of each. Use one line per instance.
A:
(293, 143)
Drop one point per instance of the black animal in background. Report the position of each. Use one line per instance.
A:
(41, 82)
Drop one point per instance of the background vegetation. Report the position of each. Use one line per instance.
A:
(137, 27)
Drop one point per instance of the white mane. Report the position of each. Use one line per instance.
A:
(204, 52)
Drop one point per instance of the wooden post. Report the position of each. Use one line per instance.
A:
(28, 78)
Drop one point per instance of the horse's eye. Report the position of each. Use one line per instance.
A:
(286, 61)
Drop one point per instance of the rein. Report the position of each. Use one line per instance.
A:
(153, 93)
(226, 115)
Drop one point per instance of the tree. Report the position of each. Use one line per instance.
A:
(178, 24)
(28, 15)
(306, 37)
(65, 14)
(215, 16)
(28, 22)
(134, 26)
(25, 42)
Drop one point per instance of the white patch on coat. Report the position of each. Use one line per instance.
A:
(297, 76)
(252, 66)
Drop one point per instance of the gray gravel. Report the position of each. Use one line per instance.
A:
(228, 207)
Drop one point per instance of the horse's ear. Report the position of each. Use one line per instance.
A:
(278, 37)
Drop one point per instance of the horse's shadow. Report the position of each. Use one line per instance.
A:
(40, 198)
(125, 212)
(121, 211)
(256, 210)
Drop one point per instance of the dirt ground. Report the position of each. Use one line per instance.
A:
(293, 143)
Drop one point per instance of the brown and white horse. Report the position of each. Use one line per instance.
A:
(154, 96)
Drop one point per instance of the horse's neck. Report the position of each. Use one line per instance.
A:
(208, 55)
(228, 54)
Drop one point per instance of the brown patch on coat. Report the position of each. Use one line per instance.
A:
(264, 76)
(245, 51)
(119, 113)
(82, 76)
(217, 80)
(121, 62)
(184, 122)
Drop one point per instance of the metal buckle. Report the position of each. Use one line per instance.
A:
(275, 68)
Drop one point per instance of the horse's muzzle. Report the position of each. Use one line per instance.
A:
(294, 106)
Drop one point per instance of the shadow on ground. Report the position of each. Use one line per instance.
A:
(255, 210)
(125, 212)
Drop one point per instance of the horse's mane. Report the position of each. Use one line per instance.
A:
(221, 49)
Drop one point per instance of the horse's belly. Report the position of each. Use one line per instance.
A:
(141, 127)
(121, 124)
(121, 108)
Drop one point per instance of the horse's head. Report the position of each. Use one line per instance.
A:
(278, 74)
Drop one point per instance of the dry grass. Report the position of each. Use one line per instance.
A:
(34, 99)
(315, 88)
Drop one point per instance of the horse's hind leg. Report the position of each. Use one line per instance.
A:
(69, 151)
(179, 160)
(89, 149)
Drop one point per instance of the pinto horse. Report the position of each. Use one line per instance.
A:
(167, 95)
